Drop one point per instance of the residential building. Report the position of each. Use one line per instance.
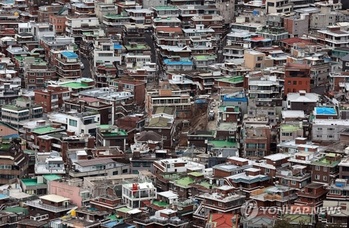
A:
(297, 26)
(312, 194)
(274, 196)
(171, 96)
(134, 195)
(77, 122)
(97, 167)
(51, 98)
(105, 51)
(14, 162)
(162, 218)
(123, 102)
(256, 137)
(70, 188)
(133, 33)
(68, 65)
(224, 200)
(38, 185)
(21, 111)
(333, 36)
(36, 74)
(58, 22)
(302, 101)
(255, 60)
(89, 104)
(166, 170)
(51, 205)
(77, 25)
(111, 136)
(296, 176)
(325, 169)
(49, 163)
(9, 92)
(278, 6)
(297, 77)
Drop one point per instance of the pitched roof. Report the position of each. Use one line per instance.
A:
(221, 220)
(148, 136)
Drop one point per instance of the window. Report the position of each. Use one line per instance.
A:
(324, 169)
(73, 123)
(324, 178)
(317, 177)
(293, 182)
(317, 168)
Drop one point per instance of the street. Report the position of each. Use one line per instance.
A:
(86, 72)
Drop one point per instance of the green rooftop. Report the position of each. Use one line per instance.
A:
(222, 143)
(116, 16)
(109, 131)
(298, 218)
(14, 107)
(123, 209)
(137, 47)
(231, 80)
(31, 182)
(83, 84)
(52, 177)
(44, 130)
(205, 57)
(165, 8)
(185, 181)
(224, 108)
(290, 128)
(36, 60)
(158, 122)
(205, 184)
(17, 210)
(5, 146)
(196, 174)
(160, 204)
(324, 161)
(171, 176)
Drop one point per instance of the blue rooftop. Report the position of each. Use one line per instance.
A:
(3, 196)
(183, 62)
(325, 111)
(234, 99)
(117, 46)
(69, 55)
(12, 136)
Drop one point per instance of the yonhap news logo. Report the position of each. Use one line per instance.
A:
(250, 210)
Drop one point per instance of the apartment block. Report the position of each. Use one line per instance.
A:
(52, 98)
(297, 77)
(23, 110)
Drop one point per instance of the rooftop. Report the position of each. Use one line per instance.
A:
(184, 182)
(325, 161)
(222, 144)
(325, 111)
(46, 130)
(69, 55)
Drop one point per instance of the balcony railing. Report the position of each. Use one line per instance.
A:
(38, 204)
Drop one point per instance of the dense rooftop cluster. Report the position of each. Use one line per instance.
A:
(194, 113)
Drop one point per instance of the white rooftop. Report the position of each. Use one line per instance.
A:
(168, 194)
(277, 157)
(54, 198)
(293, 114)
(307, 97)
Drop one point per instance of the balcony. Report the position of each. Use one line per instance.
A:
(174, 221)
(38, 204)
(103, 172)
